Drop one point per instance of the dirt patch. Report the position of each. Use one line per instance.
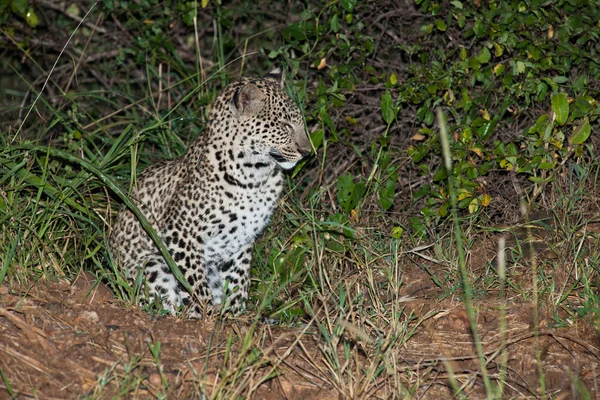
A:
(58, 344)
(66, 340)
(569, 355)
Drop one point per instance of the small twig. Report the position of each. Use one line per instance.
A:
(32, 362)
(22, 107)
(539, 189)
(80, 60)
(101, 56)
(33, 334)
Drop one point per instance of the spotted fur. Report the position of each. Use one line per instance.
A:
(210, 205)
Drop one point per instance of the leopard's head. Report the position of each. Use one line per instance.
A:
(267, 123)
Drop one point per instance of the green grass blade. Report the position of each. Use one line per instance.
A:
(112, 185)
(8, 259)
(468, 301)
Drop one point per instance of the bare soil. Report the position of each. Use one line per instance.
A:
(68, 340)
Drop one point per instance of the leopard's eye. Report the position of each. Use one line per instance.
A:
(287, 126)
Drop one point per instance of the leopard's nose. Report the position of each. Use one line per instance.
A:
(303, 143)
(304, 152)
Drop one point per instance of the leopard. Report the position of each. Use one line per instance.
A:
(211, 204)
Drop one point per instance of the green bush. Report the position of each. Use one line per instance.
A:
(516, 79)
(525, 64)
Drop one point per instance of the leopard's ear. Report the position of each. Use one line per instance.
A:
(278, 76)
(249, 99)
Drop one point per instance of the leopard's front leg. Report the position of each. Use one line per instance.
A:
(229, 279)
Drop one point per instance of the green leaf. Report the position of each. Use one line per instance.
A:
(348, 5)
(335, 245)
(387, 194)
(387, 108)
(418, 226)
(429, 118)
(397, 232)
(317, 137)
(484, 131)
(499, 69)
(443, 210)
(560, 107)
(580, 82)
(498, 49)
(345, 186)
(441, 25)
(73, 9)
(460, 19)
(31, 18)
(474, 206)
(295, 31)
(474, 63)
(357, 194)
(546, 165)
(582, 108)
(581, 133)
(440, 175)
(19, 7)
(560, 79)
(329, 122)
(472, 173)
(335, 23)
(479, 27)
(418, 153)
(188, 17)
(484, 55)
(349, 193)
(420, 193)
(466, 101)
(464, 203)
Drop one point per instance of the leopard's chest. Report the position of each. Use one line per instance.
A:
(243, 215)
